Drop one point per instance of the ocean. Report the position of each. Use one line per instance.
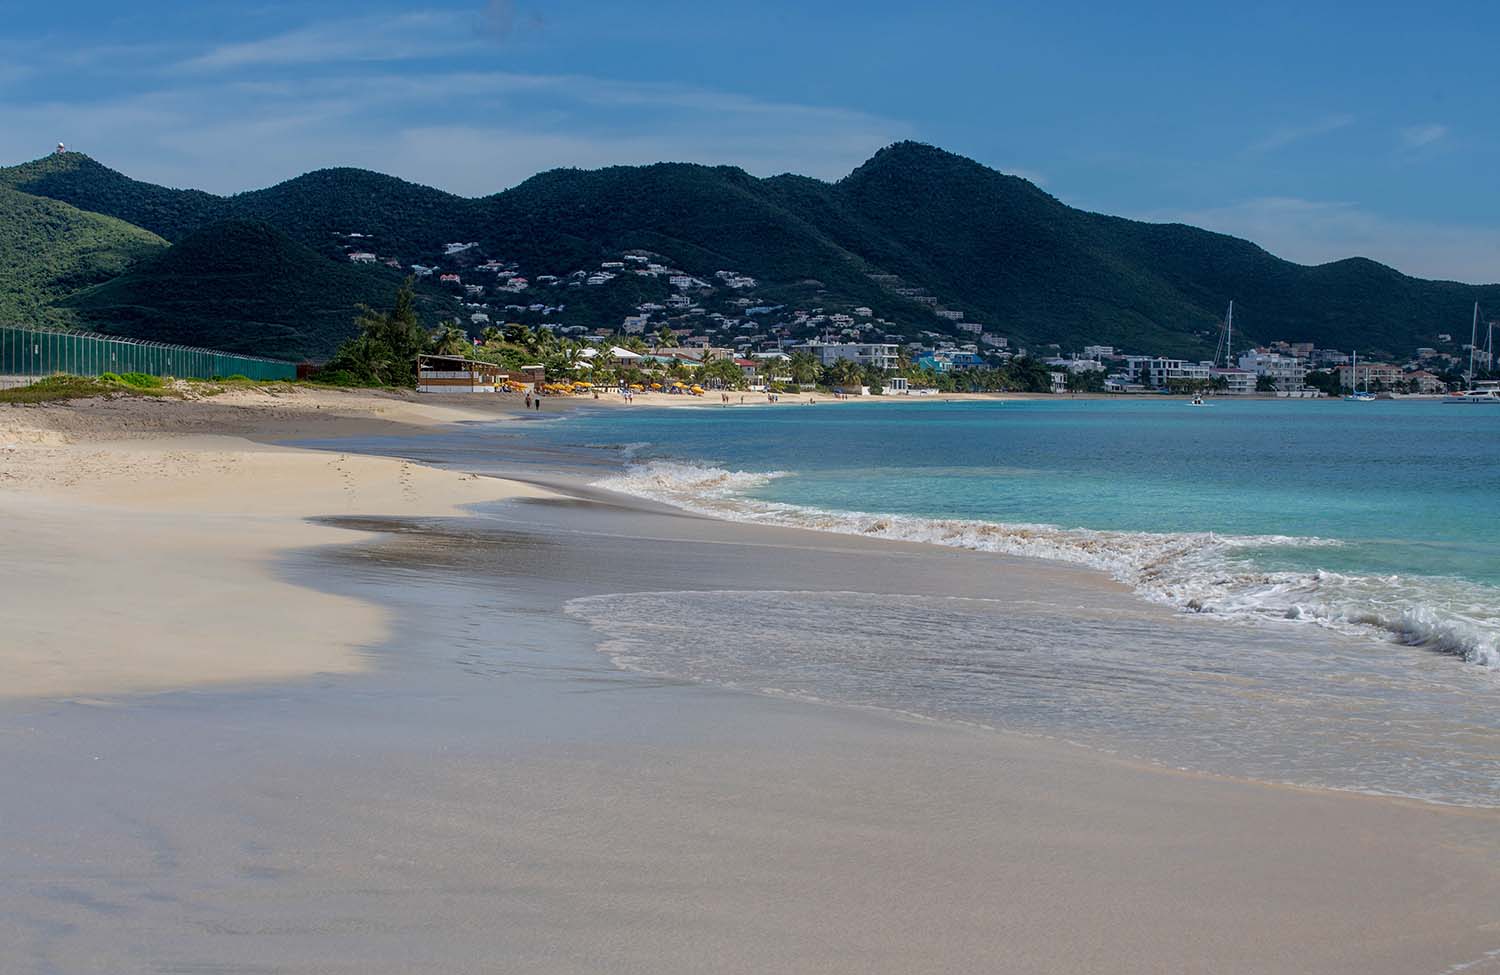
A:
(1318, 582)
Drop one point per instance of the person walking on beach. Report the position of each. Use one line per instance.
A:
(528, 399)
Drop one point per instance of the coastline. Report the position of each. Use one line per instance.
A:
(647, 825)
(150, 528)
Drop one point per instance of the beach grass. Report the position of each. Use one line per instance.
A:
(65, 387)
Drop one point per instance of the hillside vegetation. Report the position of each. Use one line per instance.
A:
(913, 219)
(237, 286)
(49, 250)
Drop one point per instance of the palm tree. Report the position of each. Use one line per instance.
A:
(516, 334)
(844, 372)
(449, 339)
(490, 334)
(803, 367)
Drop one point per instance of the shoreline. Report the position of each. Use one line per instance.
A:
(663, 825)
(154, 536)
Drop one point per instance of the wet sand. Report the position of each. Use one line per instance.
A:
(487, 792)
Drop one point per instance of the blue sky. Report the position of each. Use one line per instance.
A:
(1314, 129)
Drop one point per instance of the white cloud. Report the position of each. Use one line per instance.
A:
(1286, 135)
(1417, 136)
(1318, 231)
(425, 34)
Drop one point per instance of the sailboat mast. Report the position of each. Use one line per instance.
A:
(1229, 337)
(1473, 338)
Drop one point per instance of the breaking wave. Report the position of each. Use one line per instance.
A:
(1201, 572)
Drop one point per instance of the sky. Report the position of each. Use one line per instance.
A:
(1319, 130)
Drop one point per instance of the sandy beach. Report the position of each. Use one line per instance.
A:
(276, 709)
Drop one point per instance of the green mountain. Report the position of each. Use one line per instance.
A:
(74, 178)
(49, 249)
(238, 286)
(912, 230)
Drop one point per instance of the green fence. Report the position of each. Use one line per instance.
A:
(27, 354)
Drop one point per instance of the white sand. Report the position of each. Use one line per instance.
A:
(558, 820)
(143, 564)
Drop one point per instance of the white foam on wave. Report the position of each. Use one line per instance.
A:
(1194, 571)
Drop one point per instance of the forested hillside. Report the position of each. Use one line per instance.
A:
(914, 224)
(49, 250)
(241, 287)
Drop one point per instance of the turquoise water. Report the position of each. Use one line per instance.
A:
(1381, 515)
(1313, 593)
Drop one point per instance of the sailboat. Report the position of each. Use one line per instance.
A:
(1355, 394)
(1487, 392)
(1226, 345)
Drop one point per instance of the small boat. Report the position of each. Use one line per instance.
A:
(1197, 401)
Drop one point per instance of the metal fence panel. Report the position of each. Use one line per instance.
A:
(29, 354)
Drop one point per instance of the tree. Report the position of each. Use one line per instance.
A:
(449, 339)
(385, 351)
(1265, 384)
(490, 335)
(1086, 381)
(803, 367)
(1326, 381)
(722, 373)
(664, 338)
(843, 372)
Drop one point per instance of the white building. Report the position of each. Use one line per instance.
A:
(1157, 371)
(1369, 375)
(1099, 351)
(879, 355)
(1237, 382)
(1287, 372)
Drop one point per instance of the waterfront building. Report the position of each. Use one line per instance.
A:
(1369, 375)
(1286, 371)
(1237, 382)
(1157, 371)
(879, 355)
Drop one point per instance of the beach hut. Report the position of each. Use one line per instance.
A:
(533, 376)
(455, 374)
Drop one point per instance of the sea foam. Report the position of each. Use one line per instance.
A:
(1202, 572)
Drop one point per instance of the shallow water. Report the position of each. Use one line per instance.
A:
(1336, 617)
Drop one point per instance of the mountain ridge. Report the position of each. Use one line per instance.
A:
(947, 230)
